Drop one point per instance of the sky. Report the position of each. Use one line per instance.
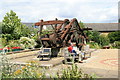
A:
(87, 11)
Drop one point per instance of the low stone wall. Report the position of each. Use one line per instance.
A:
(23, 51)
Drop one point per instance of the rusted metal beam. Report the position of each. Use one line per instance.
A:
(49, 22)
(45, 39)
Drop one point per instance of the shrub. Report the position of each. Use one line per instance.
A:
(116, 44)
(3, 42)
(94, 45)
(30, 70)
(74, 73)
(9, 70)
(26, 43)
(95, 36)
(103, 40)
(13, 43)
(35, 37)
(7, 36)
(114, 36)
(89, 34)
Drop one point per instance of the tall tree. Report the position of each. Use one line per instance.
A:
(10, 22)
(12, 25)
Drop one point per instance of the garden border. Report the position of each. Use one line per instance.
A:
(23, 51)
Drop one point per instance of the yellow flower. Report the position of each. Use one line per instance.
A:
(39, 74)
(27, 64)
(17, 72)
(24, 67)
(33, 61)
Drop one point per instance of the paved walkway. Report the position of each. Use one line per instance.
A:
(103, 59)
(25, 57)
(103, 62)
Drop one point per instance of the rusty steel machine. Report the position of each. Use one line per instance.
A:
(58, 33)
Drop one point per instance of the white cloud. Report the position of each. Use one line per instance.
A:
(84, 10)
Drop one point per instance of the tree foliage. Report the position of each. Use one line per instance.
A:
(103, 40)
(81, 24)
(11, 25)
(114, 36)
(95, 36)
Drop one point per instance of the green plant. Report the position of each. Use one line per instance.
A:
(81, 24)
(9, 70)
(6, 68)
(12, 43)
(26, 43)
(3, 42)
(7, 37)
(94, 45)
(35, 37)
(44, 32)
(73, 73)
(114, 36)
(99, 40)
(11, 25)
(116, 44)
(103, 40)
(95, 36)
(30, 70)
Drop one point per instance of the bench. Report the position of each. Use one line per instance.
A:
(44, 52)
(86, 50)
(69, 58)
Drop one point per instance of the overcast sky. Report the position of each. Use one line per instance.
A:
(87, 11)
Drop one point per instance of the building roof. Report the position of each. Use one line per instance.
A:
(103, 26)
(29, 24)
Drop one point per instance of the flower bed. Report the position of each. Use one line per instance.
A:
(13, 49)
